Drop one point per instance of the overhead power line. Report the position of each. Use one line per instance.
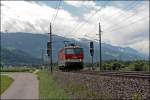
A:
(83, 23)
(54, 13)
(53, 21)
(143, 18)
(131, 6)
(118, 13)
(125, 26)
(124, 19)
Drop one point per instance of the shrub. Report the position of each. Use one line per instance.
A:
(116, 66)
(139, 66)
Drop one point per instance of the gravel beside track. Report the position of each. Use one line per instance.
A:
(108, 85)
(129, 74)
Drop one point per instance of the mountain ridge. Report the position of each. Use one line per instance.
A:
(12, 56)
(33, 43)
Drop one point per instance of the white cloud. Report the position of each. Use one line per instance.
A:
(25, 16)
(81, 3)
(31, 17)
(121, 27)
(142, 46)
(18, 13)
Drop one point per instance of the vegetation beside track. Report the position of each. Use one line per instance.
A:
(82, 92)
(116, 65)
(5, 82)
(48, 89)
(17, 69)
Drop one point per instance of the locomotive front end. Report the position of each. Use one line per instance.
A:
(72, 58)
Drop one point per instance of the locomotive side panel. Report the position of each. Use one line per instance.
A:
(61, 58)
(71, 58)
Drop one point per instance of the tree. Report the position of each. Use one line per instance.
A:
(139, 66)
(106, 66)
(116, 66)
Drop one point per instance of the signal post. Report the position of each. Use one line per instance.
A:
(49, 49)
(100, 55)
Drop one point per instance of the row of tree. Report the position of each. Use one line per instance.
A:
(138, 65)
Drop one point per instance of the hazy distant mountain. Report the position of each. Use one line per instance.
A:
(14, 56)
(33, 43)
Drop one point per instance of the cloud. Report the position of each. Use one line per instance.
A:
(142, 46)
(120, 27)
(32, 17)
(16, 14)
(81, 3)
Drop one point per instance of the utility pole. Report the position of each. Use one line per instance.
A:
(100, 55)
(42, 58)
(50, 48)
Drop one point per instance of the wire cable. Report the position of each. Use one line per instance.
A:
(125, 26)
(131, 6)
(53, 22)
(124, 19)
(54, 13)
(129, 24)
(83, 23)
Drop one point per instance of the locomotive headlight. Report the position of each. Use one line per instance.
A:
(80, 59)
(68, 60)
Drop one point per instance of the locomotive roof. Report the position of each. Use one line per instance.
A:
(71, 47)
(66, 47)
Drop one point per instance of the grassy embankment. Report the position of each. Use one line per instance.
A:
(48, 88)
(5, 82)
(80, 91)
(17, 69)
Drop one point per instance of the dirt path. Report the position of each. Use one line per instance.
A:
(25, 86)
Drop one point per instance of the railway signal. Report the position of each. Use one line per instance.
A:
(92, 51)
(48, 48)
(91, 48)
(48, 45)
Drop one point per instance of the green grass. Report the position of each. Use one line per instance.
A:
(17, 69)
(5, 82)
(48, 89)
(136, 96)
(82, 92)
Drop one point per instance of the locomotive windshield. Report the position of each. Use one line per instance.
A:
(73, 51)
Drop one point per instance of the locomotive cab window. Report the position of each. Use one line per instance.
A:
(73, 51)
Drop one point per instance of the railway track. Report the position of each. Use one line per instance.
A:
(132, 74)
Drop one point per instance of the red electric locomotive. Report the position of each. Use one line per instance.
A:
(70, 58)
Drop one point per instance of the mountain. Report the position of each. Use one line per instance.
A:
(14, 57)
(33, 44)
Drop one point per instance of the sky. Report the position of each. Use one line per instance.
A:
(123, 23)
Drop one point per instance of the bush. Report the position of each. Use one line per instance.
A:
(116, 66)
(139, 66)
(106, 66)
